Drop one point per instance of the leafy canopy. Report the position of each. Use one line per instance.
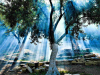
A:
(19, 14)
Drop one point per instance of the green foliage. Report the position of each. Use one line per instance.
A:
(74, 27)
(64, 72)
(73, 23)
(23, 60)
(93, 14)
(85, 74)
(22, 12)
(69, 72)
(38, 73)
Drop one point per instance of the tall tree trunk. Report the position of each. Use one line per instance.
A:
(54, 46)
(19, 43)
(72, 45)
(20, 49)
(22, 45)
(52, 66)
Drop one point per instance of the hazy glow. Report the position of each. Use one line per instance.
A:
(5, 2)
(80, 2)
(42, 50)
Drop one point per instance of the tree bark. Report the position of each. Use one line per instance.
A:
(52, 66)
(54, 46)
(72, 45)
(21, 46)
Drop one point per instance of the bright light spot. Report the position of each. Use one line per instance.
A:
(47, 2)
(97, 54)
(5, 2)
(87, 41)
(87, 1)
(53, 1)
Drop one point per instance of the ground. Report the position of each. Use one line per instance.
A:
(93, 70)
(72, 69)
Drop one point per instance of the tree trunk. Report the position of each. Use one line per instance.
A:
(72, 45)
(21, 46)
(52, 66)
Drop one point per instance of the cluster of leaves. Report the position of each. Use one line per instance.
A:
(93, 14)
(38, 73)
(22, 12)
(90, 15)
(39, 29)
(35, 35)
(73, 25)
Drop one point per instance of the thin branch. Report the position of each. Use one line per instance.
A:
(51, 33)
(61, 38)
(71, 22)
(51, 14)
(59, 19)
(15, 35)
(58, 22)
(24, 39)
(18, 38)
(42, 11)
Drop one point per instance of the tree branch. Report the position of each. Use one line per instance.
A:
(51, 33)
(59, 19)
(15, 35)
(57, 22)
(71, 22)
(61, 38)
(43, 11)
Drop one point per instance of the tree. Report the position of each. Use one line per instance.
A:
(18, 16)
(93, 14)
(54, 44)
(11, 16)
(73, 27)
(72, 24)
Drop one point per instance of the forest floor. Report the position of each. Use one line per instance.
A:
(80, 69)
(71, 70)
